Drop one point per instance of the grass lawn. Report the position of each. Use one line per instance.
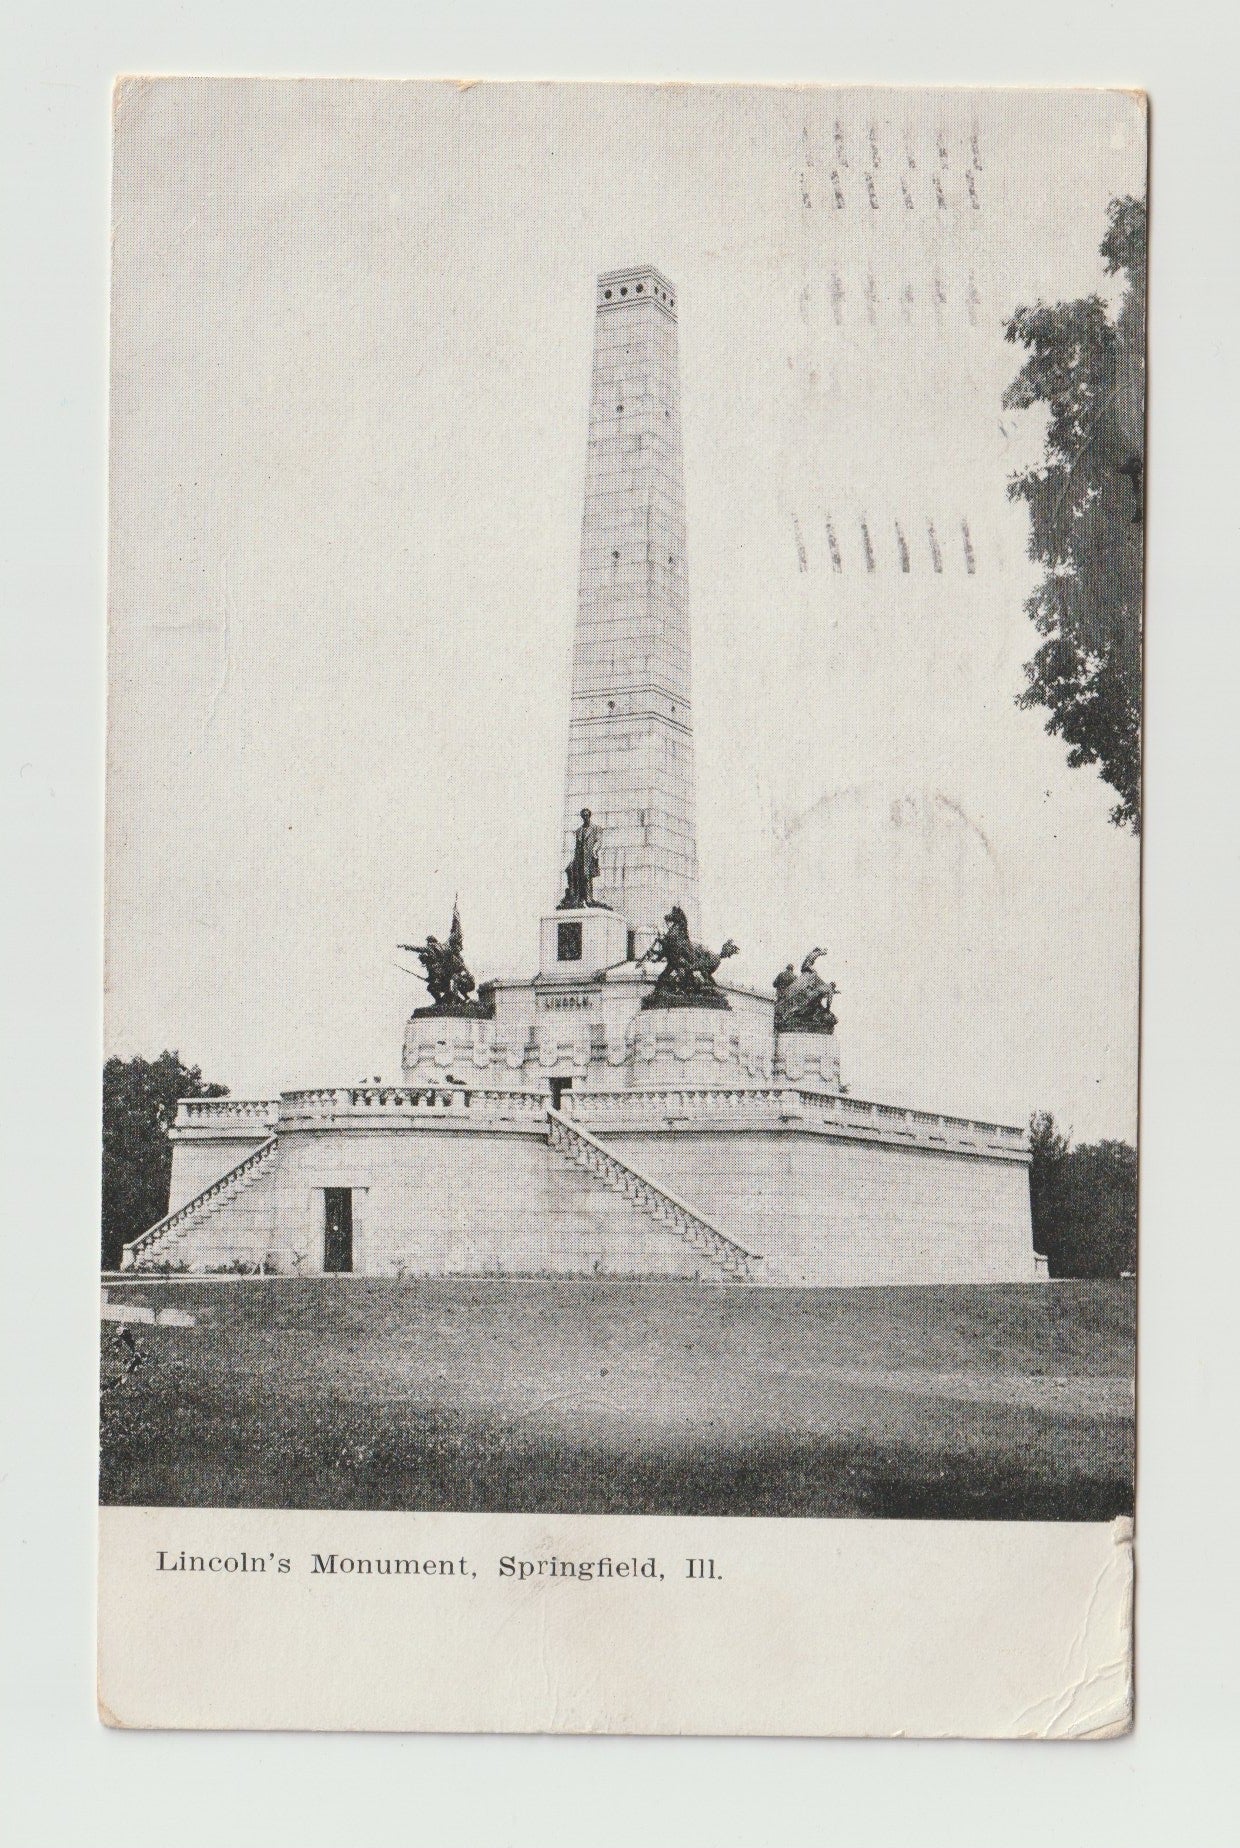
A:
(576, 1395)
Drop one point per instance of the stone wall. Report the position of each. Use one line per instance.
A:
(434, 1202)
(459, 1196)
(822, 1210)
(198, 1162)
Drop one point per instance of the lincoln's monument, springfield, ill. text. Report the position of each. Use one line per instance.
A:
(626, 1110)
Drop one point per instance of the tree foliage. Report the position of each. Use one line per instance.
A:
(1086, 508)
(1084, 1203)
(139, 1104)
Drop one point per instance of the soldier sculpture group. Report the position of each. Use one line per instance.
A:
(446, 975)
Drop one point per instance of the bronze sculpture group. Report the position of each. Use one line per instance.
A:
(687, 978)
(803, 1001)
(450, 983)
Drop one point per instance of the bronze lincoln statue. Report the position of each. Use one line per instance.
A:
(582, 870)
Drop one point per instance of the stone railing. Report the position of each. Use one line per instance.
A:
(148, 1242)
(890, 1122)
(731, 1260)
(742, 1107)
(228, 1115)
(767, 1107)
(712, 1107)
(392, 1104)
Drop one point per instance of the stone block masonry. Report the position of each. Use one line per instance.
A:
(823, 1191)
(630, 750)
(830, 1213)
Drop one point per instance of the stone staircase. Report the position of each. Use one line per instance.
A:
(730, 1262)
(168, 1239)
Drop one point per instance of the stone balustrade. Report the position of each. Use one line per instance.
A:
(738, 1108)
(229, 1116)
(346, 1106)
(765, 1107)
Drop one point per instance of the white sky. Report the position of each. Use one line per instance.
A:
(352, 334)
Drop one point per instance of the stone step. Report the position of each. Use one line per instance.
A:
(611, 1173)
(194, 1216)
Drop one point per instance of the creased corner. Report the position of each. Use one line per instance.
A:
(1094, 1699)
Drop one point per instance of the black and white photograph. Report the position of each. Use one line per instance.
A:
(624, 800)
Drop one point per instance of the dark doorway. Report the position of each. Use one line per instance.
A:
(558, 1088)
(338, 1229)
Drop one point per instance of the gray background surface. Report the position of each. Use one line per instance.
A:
(69, 1781)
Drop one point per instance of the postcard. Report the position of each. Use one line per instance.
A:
(623, 908)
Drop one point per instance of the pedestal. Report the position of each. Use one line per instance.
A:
(574, 946)
(808, 1059)
(441, 1045)
(694, 1048)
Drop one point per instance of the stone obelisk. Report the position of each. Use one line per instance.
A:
(630, 743)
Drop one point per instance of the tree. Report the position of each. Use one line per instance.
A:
(1086, 511)
(1048, 1152)
(1083, 1201)
(139, 1104)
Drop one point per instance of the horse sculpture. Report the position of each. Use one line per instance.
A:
(803, 1002)
(687, 978)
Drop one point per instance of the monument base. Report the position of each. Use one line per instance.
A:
(706, 999)
(438, 1044)
(809, 1059)
(455, 1010)
(694, 1047)
(578, 945)
(453, 1174)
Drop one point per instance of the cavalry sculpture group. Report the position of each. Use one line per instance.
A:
(687, 978)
